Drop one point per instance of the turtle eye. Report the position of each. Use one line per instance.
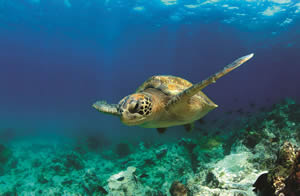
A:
(133, 107)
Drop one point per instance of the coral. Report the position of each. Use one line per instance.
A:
(125, 183)
(285, 166)
(36, 163)
(296, 176)
(178, 189)
(73, 161)
(92, 184)
(265, 133)
(252, 139)
(11, 192)
(202, 151)
(161, 153)
(41, 179)
(208, 143)
(5, 154)
(235, 171)
(283, 179)
(207, 156)
(190, 146)
(232, 175)
(123, 149)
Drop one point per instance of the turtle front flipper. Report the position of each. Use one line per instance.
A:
(106, 108)
(161, 130)
(189, 92)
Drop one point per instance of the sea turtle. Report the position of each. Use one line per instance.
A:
(163, 101)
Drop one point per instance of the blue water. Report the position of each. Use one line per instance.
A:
(58, 57)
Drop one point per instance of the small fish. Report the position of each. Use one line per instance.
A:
(229, 112)
(102, 190)
(125, 162)
(262, 109)
(143, 176)
(121, 178)
(214, 121)
(201, 121)
(248, 128)
(217, 132)
(252, 105)
(240, 111)
(223, 126)
(7, 134)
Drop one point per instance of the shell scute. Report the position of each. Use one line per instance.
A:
(170, 85)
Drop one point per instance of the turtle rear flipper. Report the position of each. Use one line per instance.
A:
(104, 107)
(191, 91)
(189, 127)
(161, 130)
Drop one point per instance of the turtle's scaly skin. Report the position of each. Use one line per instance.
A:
(165, 101)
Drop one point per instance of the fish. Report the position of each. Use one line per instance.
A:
(252, 105)
(268, 99)
(217, 132)
(201, 121)
(240, 111)
(262, 109)
(229, 112)
(144, 176)
(7, 134)
(102, 190)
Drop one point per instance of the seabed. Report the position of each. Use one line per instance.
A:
(263, 155)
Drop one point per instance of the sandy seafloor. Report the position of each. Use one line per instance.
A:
(226, 163)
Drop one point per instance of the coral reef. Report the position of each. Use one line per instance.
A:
(225, 164)
(283, 179)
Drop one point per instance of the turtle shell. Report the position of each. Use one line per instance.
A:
(170, 85)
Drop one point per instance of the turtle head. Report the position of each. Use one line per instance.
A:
(135, 109)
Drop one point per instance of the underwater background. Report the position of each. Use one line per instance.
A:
(60, 56)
